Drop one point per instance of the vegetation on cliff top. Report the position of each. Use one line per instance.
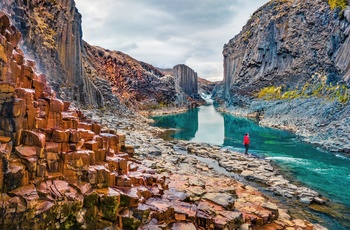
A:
(337, 3)
(316, 87)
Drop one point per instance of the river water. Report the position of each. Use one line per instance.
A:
(325, 172)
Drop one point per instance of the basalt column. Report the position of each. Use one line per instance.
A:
(186, 79)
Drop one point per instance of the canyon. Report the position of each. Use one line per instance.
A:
(75, 153)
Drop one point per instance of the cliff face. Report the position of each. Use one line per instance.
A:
(91, 76)
(60, 170)
(52, 35)
(285, 42)
(137, 84)
(297, 53)
(186, 79)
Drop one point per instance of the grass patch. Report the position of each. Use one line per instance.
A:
(337, 3)
(316, 87)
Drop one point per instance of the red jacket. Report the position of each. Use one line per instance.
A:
(246, 140)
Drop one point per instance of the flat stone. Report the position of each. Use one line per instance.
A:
(223, 199)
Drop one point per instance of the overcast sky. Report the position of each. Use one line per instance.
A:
(165, 33)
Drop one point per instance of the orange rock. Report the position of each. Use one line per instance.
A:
(27, 72)
(86, 134)
(96, 128)
(4, 23)
(15, 72)
(56, 105)
(54, 120)
(34, 138)
(39, 88)
(60, 135)
(99, 175)
(111, 141)
(84, 125)
(51, 147)
(100, 155)
(63, 147)
(40, 123)
(25, 151)
(74, 136)
(116, 163)
(92, 145)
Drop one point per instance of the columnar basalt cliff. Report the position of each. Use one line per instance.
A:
(298, 53)
(61, 170)
(186, 79)
(52, 34)
(285, 42)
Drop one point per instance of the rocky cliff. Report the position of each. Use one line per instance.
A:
(186, 79)
(60, 169)
(285, 42)
(52, 35)
(289, 66)
(137, 84)
(92, 76)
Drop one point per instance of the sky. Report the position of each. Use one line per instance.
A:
(165, 33)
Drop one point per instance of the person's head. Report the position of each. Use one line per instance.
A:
(247, 134)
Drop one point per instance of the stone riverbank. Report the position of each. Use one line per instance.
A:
(213, 198)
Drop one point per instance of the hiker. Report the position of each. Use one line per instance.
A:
(246, 142)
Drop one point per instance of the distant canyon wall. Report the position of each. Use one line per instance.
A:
(186, 79)
(52, 36)
(137, 84)
(285, 42)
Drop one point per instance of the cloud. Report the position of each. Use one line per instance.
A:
(165, 33)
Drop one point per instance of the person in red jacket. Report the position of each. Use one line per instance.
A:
(246, 142)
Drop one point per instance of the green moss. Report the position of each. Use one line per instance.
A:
(291, 94)
(109, 207)
(316, 87)
(70, 223)
(70, 211)
(131, 223)
(124, 200)
(337, 3)
(91, 200)
(91, 203)
(270, 93)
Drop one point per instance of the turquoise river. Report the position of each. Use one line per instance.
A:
(325, 172)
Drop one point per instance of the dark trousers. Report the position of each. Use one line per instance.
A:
(246, 148)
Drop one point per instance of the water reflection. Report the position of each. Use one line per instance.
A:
(323, 171)
(211, 129)
(186, 124)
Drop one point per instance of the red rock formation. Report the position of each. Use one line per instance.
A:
(136, 83)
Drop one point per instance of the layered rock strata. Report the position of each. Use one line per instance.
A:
(59, 169)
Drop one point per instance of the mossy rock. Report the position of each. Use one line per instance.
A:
(130, 223)
(109, 206)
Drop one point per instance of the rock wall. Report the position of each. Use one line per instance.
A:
(52, 35)
(57, 167)
(285, 42)
(137, 84)
(186, 79)
(61, 170)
